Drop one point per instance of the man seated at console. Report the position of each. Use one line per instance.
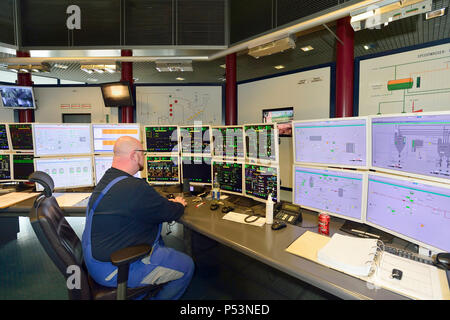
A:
(124, 211)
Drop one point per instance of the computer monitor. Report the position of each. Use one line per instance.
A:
(21, 135)
(23, 166)
(416, 145)
(161, 139)
(117, 94)
(261, 142)
(17, 97)
(4, 142)
(261, 180)
(332, 142)
(195, 139)
(340, 193)
(282, 117)
(5, 167)
(163, 169)
(103, 163)
(197, 169)
(415, 210)
(229, 175)
(62, 139)
(228, 142)
(67, 172)
(105, 135)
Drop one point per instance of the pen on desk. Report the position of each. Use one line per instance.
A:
(200, 204)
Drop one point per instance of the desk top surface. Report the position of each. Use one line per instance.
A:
(261, 243)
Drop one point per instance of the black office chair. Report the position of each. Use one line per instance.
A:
(64, 248)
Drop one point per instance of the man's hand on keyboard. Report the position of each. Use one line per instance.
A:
(179, 200)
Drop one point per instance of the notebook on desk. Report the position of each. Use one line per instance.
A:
(346, 254)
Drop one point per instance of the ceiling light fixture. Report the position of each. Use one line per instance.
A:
(44, 67)
(279, 67)
(307, 48)
(435, 14)
(272, 47)
(179, 79)
(174, 65)
(99, 68)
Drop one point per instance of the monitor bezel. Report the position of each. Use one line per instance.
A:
(363, 192)
(182, 171)
(278, 182)
(62, 125)
(193, 153)
(268, 162)
(225, 156)
(12, 165)
(335, 165)
(11, 169)
(241, 162)
(39, 188)
(11, 147)
(93, 125)
(395, 233)
(399, 172)
(162, 183)
(19, 108)
(144, 133)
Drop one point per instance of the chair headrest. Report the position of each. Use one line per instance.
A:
(44, 180)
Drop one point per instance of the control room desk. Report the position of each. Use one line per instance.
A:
(261, 243)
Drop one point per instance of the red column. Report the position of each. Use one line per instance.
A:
(24, 79)
(231, 90)
(344, 68)
(127, 75)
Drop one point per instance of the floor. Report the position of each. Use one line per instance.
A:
(27, 273)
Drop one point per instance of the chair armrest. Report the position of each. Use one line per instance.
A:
(129, 254)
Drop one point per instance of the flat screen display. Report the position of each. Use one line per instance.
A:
(21, 136)
(103, 163)
(5, 167)
(105, 135)
(196, 169)
(282, 117)
(229, 176)
(260, 181)
(261, 142)
(195, 140)
(161, 139)
(228, 142)
(4, 144)
(117, 94)
(23, 166)
(17, 97)
(163, 169)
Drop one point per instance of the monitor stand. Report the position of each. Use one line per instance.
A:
(365, 231)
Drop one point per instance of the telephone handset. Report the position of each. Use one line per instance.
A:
(288, 212)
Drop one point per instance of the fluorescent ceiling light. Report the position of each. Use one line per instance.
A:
(279, 67)
(223, 66)
(307, 48)
(362, 16)
(91, 79)
(435, 14)
(180, 79)
(60, 66)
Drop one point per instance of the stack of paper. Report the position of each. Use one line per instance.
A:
(351, 255)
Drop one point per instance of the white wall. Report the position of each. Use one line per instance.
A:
(308, 92)
(51, 101)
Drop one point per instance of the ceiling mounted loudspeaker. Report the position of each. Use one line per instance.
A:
(174, 65)
(272, 47)
(387, 11)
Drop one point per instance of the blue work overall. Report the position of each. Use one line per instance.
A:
(161, 265)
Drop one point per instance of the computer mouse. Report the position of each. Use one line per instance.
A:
(170, 196)
(442, 260)
(278, 225)
(227, 209)
(214, 206)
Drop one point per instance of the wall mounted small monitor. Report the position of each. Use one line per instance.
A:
(412, 144)
(197, 169)
(4, 142)
(102, 164)
(17, 97)
(160, 139)
(195, 139)
(230, 176)
(228, 142)
(67, 172)
(105, 135)
(261, 141)
(260, 181)
(62, 139)
(282, 117)
(117, 94)
(23, 166)
(339, 142)
(163, 169)
(412, 209)
(5, 167)
(21, 135)
(340, 193)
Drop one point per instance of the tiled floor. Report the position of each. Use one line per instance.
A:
(26, 272)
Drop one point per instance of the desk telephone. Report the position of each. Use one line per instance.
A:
(287, 212)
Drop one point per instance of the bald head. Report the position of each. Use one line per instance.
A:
(127, 156)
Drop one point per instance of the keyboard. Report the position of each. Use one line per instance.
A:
(408, 255)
